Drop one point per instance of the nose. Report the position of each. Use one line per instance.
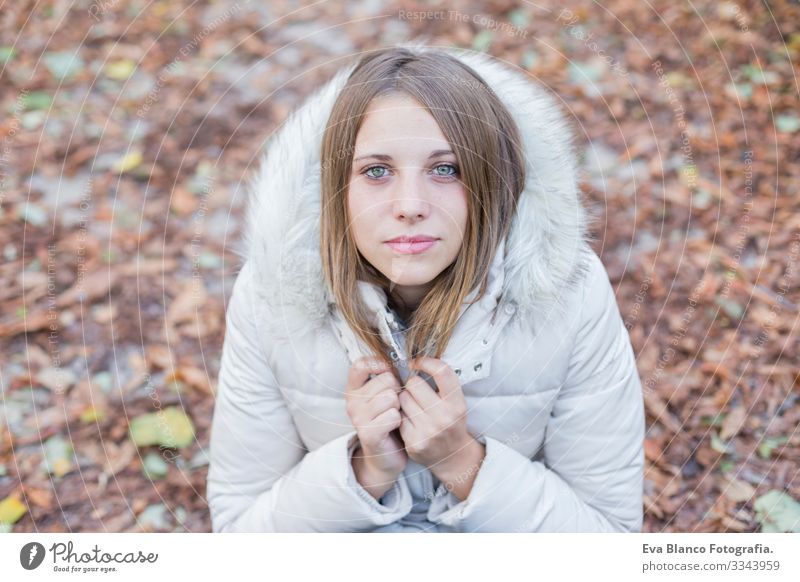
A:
(410, 201)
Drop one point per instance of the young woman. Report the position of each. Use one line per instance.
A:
(421, 338)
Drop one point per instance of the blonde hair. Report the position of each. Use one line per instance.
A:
(487, 146)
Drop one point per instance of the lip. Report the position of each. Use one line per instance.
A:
(411, 245)
(415, 238)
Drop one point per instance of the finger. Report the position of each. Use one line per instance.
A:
(386, 421)
(361, 405)
(446, 380)
(382, 402)
(409, 406)
(359, 372)
(406, 424)
(424, 395)
(378, 384)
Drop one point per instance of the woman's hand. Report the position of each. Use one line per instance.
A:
(374, 409)
(434, 427)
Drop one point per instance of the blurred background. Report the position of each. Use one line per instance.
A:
(129, 129)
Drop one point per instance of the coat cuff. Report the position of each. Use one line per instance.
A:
(495, 474)
(395, 503)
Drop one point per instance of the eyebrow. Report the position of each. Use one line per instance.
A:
(388, 158)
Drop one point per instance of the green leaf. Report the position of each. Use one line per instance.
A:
(104, 380)
(519, 17)
(32, 214)
(482, 40)
(154, 517)
(7, 53)
(63, 64)
(741, 90)
(777, 512)
(708, 420)
(155, 467)
(731, 308)
(584, 73)
(787, 123)
(727, 466)
(169, 427)
(199, 460)
(529, 59)
(37, 100)
(58, 456)
(769, 443)
(719, 445)
(209, 260)
(701, 198)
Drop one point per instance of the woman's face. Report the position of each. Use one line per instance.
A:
(405, 182)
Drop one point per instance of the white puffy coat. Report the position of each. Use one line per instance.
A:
(544, 360)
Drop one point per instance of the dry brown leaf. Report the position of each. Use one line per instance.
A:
(196, 378)
(184, 307)
(733, 422)
(147, 267)
(119, 456)
(31, 322)
(652, 450)
(200, 326)
(89, 288)
(733, 524)
(651, 506)
(160, 355)
(40, 497)
(30, 279)
(737, 490)
(104, 313)
(182, 201)
(85, 395)
(658, 408)
(56, 379)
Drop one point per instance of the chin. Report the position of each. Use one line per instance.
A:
(412, 282)
(414, 279)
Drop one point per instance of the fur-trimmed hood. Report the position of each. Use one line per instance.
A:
(544, 253)
(558, 408)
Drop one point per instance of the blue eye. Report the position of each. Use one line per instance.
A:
(451, 171)
(447, 175)
(368, 170)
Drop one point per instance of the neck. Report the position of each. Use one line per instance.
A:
(406, 300)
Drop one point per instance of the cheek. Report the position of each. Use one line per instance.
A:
(457, 213)
(359, 203)
(362, 216)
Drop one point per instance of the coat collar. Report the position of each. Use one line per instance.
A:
(464, 352)
(543, 255)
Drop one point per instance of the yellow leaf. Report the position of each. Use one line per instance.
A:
(128, 162)
(170, 427)
(11, 509)
(92, 414)
(61, 467)
(120, 70)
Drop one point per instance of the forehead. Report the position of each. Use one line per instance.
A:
(398, 120)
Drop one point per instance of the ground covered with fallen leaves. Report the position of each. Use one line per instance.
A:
(129, 129)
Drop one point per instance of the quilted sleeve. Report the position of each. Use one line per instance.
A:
(590, 478)
(261, 478)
